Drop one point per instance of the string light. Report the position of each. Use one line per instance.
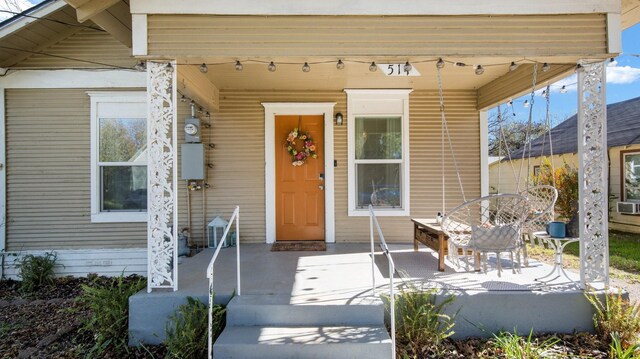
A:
(578, 67)
(169, 67)
(140, 66)
(271, 67)
(183, 98)
(563, 89)
(340, 65)
(203, 68)
(239, 66)
(373, 67)
(513, 66)
(526, 104)
(440, 63)
(460, 64)
(407, 67)
(545, 67)
(306, 67)
(479, 70)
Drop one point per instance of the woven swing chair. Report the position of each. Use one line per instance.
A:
(542, 200)
(489, 224)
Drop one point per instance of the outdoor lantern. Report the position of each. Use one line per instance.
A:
(339, 119)
(215, 230)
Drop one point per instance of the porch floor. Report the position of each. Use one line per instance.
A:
(342, 276)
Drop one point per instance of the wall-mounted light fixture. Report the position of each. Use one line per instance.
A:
(339, 119)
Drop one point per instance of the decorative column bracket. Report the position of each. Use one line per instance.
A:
(162, 252)
(593, 179)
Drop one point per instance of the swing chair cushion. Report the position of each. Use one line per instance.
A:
(490, 223)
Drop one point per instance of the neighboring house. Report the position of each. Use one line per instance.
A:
(78, 116)
(623, 142)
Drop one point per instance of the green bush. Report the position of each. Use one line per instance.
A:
(421, 324)
(565, 179)
(186, 333)
(36, 271)
(616, 317)
(513, 346)
(109, 306)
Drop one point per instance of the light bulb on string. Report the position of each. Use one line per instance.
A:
(407, 67)
(545, 67)
(340, 65)
(271, 67)
(373, 67)
(513, 66)
(306, 67)
(140, 66)
(239, 66)
(563, 89)
(440, 63)
(526, 104)
(169, 67)
(479, 70)
(183, 98)
(460, 64)
(204, 68)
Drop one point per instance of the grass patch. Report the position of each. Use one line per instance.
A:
(624, 255)
(512, 345)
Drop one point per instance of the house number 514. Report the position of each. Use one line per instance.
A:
(397, 70)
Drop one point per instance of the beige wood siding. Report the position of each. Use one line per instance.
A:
(48, 175)
(616, 220)
(238, 174)
(521, 35)
(86, 44)
(503, 176)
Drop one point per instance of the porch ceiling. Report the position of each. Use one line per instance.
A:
(325, 76)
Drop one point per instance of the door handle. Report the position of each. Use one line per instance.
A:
(321, 187)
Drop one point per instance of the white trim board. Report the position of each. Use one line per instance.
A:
(3, 174)
(80, 262)
(40, 79)
(373, 7)
(271, 110)
(484, 153)
(32, 17)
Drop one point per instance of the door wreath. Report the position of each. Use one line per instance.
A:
(299, 154)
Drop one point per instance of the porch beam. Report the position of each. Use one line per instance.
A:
(114, 26)
(85, 10)
(373, 7)
(162, 176)
(197, 86)
(519, 82)
(592, 179)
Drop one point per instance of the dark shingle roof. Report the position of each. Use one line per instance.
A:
(623, 128)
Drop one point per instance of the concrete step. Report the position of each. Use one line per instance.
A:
(289, 342)
(277, 310)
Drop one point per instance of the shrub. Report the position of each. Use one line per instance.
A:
(566, 182)
(616, 316)
(515, 346)
(36, 271)
(186, 333)
(421, 324)
(109, 306)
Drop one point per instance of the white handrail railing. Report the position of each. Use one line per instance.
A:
(373, 220)
(234, 217)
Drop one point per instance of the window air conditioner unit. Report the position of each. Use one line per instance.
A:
(628, 207)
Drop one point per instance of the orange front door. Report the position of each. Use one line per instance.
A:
(299, 189)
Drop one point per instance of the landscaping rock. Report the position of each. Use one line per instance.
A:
(27, 353)
(46, 341)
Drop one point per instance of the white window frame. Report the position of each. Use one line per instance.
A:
(378, 103)
(97, 111)
(623, 180)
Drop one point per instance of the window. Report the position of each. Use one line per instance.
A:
(118, 157)
(631, 175)
(378, 144)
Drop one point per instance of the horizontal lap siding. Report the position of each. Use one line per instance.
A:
(238, 174)
(88, 45)
(48, 175)
(204, 35)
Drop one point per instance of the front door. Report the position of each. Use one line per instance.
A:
(299, 188)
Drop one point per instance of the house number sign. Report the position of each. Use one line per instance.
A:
(397, 70)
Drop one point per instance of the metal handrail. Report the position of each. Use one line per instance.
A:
(234, 217)
(373, 220)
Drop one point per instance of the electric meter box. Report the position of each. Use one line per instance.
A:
(192, 130)
(193, 166)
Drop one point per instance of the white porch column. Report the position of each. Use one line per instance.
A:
(162, 242)
(592, 182)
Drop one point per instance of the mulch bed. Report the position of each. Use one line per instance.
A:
(48, 323)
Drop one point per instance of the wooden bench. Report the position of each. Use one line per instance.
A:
(429, 233)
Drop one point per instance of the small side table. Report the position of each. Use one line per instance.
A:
(558, 245)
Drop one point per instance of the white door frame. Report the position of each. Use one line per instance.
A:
(273, 109)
